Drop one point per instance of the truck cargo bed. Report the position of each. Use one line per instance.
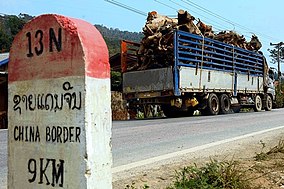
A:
(148, 80)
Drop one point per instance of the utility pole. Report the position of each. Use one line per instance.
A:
(278, 45)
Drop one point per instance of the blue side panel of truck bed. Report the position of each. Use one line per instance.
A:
(176, 65)
(203, 53)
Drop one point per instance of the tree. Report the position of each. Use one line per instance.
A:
(10, 25)
(15, 24)
(5, 41)
(274, 54)
(277, 54)
(113, 36)
(116, 81)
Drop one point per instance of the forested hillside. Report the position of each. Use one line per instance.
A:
(113, 37)
(10, 25)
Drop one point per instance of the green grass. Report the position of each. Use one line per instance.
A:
(214, 175)
(261, 156)
(279, 148)
(218, 174)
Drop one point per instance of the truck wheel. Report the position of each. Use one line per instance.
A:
(225, 104)
(268, 103)
(213, 105)
(257, 104)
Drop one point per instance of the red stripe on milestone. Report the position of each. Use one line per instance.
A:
(95, 49)
(36, 52)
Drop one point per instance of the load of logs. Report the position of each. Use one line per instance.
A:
(118, 106)
(156, 48)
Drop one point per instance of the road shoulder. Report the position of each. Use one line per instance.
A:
(161, 174)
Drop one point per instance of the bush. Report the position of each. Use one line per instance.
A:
(116, 81)
(215, 175)
(279, 96)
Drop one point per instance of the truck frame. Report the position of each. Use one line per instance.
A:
(206, 75)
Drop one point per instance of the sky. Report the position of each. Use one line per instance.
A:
(261, 17)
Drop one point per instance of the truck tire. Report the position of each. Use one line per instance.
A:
(257, 103)
(268, 103)
(225, 104)
(213, 105)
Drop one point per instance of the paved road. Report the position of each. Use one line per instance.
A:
(139, 140)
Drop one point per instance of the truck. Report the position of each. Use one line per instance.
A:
(205, 74)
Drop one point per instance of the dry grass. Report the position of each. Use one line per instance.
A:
(264, 171)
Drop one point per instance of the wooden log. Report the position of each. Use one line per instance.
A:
(185, 22)
(184, 17)
(118, 106)
(156, 48)
(255, 43)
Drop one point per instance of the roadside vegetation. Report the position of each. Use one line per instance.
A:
(10, 25)
(279, 101)
(264, 171)
(225, 174)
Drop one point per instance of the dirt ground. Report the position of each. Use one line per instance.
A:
(265, 173)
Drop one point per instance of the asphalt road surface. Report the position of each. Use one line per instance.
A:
(138, 140)
(144, 141)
